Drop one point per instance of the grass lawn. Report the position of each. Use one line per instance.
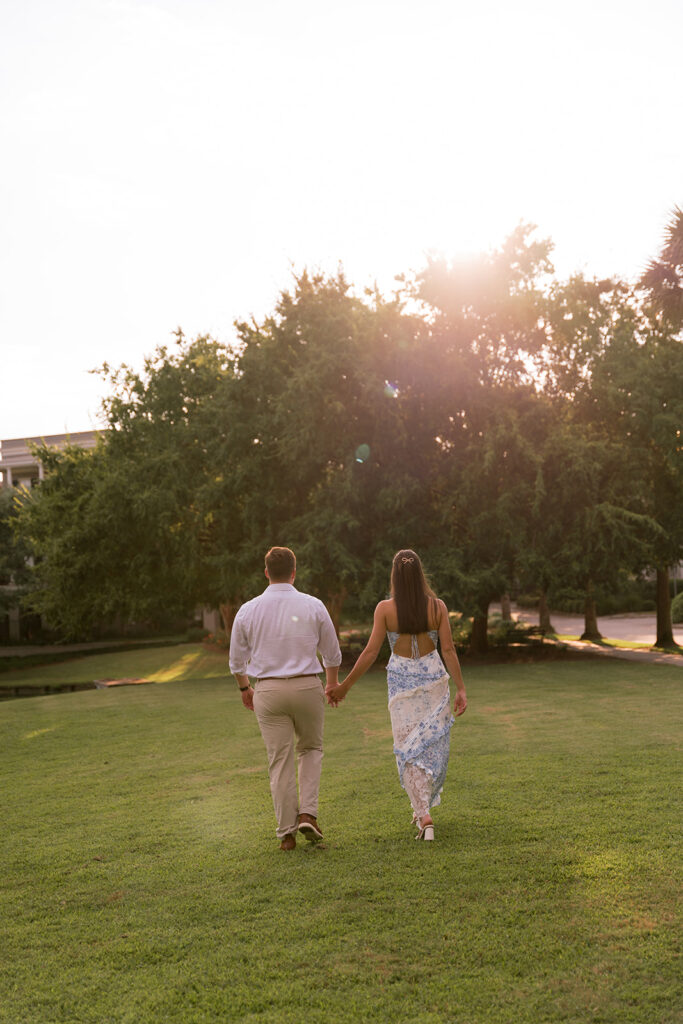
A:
(158, 664)
(629, 644)
(142, 880)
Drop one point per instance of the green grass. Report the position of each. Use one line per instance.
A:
(631, 645)
(142, 880)
(52, 654)
(160, 665)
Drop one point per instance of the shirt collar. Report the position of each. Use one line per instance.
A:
(280, 586)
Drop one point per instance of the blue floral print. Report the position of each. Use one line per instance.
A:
(421, 720)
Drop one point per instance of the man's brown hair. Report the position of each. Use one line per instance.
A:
(280, 563)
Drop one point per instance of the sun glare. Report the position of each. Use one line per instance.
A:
(180, 669)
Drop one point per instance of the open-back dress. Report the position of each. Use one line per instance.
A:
(421, 720)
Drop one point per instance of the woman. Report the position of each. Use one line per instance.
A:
(419, 699)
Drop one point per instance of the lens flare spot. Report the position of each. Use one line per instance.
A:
(390, 390)
(362, 453)
(295, 618)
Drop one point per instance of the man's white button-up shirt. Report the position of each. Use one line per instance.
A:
(279, 634)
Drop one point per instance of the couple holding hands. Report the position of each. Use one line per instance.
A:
(276, 638)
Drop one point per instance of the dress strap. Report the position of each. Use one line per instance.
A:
(414, 648)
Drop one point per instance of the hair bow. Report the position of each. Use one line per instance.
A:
(404, 560)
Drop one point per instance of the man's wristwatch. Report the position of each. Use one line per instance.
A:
(243, 688)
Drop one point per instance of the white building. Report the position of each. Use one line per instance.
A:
(19, 466)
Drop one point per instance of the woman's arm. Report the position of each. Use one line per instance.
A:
(450, 657)
(368, 656)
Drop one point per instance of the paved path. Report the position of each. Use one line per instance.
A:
(627, 653)
(635, 627)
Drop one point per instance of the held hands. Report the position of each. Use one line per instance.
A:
(460, 703)
(335, 694)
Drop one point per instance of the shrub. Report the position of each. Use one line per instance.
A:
(503, 633)
(677, 608)
(195, 634)
(353, 640)
(461, 630)
(218, 639)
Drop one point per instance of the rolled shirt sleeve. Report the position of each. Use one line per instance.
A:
(328, 644)
(239, 647)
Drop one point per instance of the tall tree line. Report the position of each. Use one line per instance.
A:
(517, 430)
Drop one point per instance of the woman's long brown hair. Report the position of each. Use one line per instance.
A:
(411, 592)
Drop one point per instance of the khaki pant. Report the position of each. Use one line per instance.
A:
(289, 709)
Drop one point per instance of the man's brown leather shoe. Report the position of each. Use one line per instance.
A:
(288, 843)
(308, 826)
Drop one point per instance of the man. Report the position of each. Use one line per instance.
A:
(275, 638)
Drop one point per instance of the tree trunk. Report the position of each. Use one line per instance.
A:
(334, 604)
(665, 631)
(479, 641)
(544, 614)
(506, 614)
(228, 612)
(591, 631)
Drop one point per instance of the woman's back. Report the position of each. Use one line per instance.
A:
(407, 645)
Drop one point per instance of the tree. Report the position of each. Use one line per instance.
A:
(486, 326)
(663, 279)
(614, 355)
(211, 456)
(584, 493)
(66, 522)
(638, 388)
(14, 555)
(507, 430)
(103, 551)
(486, 311)
(322, 425)
(116, 531)
(299, 383)
(178, 419)
(536, 557)
(663, 284)
(606, 369)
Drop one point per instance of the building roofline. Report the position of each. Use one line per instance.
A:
(47, 438)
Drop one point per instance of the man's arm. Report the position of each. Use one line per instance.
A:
(246, 692)
(331, 681)
(328, 642)
(239, 659)
(328, 645)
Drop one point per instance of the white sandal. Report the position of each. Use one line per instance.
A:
(426, 832)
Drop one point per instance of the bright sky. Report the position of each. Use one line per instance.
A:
(168, 162)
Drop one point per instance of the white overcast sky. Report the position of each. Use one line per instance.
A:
(168, 162)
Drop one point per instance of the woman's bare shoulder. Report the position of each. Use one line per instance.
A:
(386, 612)
(439, 610)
